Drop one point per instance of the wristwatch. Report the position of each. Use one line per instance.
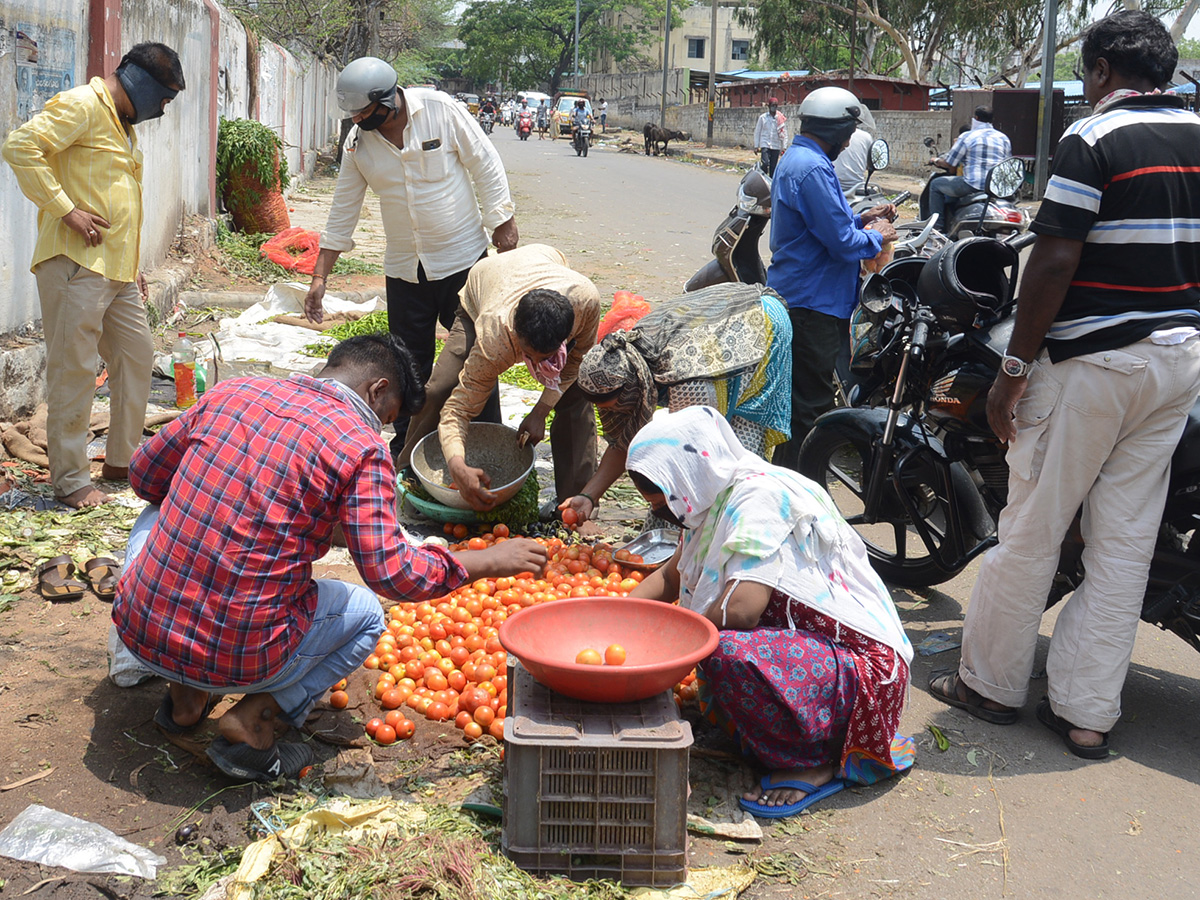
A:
(1014, 366)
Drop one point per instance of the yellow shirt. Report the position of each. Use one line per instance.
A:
(75, 153)
(490, 297)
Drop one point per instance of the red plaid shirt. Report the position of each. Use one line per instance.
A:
(251, 481)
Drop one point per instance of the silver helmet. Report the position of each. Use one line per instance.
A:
(836, 105)
(365, 81)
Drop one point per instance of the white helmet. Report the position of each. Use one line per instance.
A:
(365, 81)
(835, 104)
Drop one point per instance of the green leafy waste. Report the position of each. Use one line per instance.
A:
(520, 510)
(240, 253)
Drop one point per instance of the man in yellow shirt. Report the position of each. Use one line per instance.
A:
(78, 162)
(523, 306)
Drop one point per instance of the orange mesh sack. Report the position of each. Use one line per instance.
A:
(293, 248)
(626, 310)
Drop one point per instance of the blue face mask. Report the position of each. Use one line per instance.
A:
(144, 92)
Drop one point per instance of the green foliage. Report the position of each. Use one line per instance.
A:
(1189, 48)
(251, 150)
(240, 254)
(529, 42)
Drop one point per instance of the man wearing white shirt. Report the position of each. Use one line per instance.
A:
(770, 136)
(433, 170)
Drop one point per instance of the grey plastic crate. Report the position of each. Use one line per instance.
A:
(595, 790)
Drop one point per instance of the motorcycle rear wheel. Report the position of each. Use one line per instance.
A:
(840, 461)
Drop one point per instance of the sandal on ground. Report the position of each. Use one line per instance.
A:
(54, 579)
(103, 572)
(164, 716)
(1062, 728)
(243, 762)
(813, 794)
(944, 685)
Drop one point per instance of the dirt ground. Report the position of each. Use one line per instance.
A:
(997, 813)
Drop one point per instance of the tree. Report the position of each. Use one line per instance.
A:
(528, 42)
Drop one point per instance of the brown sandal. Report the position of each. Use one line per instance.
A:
(103, 572)
(54, 579)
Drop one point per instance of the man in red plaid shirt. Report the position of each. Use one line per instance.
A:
(246, 489)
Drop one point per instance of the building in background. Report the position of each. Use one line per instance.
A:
(690, 42)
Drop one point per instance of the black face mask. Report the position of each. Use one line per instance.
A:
(144, 92)
(664, 513)
(375, 119)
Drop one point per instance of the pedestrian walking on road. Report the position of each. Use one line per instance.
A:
(770, 136)
(78, 161)
(1102, 369)
(603, 115)
(442, 189)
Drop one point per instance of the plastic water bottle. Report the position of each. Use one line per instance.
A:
(183, 355)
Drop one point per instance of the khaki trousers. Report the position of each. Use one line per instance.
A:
(572, 433)
(1096, 432)
(84, 315)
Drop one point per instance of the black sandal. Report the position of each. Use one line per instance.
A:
(243, 762)
(944, 685)
(1062, 728)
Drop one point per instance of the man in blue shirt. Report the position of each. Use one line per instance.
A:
(817, 247)
(976, 150)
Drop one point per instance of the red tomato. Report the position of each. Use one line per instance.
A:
(339, 699)
(405, 729)
(373, 725)
(385, 734)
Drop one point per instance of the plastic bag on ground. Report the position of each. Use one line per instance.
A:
(46, 836)
(626, 310)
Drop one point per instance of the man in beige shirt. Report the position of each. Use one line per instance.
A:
(524, 306)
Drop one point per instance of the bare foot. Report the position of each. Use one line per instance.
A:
(85, 497)
(188, 705)
(114, 473)
(783, 796)
(251, 721)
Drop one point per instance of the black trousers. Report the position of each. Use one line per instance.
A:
(817, 342)
(414, 311)
(770, 159)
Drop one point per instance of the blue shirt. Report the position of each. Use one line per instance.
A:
(817, 244)
(977, 151)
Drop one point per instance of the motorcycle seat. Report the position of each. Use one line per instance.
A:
(977, 197)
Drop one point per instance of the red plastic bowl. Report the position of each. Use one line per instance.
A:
(662, 644)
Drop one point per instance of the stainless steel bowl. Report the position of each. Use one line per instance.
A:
(488, 446)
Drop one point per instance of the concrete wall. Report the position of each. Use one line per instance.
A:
(294, 97)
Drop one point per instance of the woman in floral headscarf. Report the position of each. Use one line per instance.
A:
(728, 346)
(811, 671)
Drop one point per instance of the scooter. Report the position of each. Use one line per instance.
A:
(582, 138)
(865, 195)
(524, 124)
(486, 121)
(983, 213)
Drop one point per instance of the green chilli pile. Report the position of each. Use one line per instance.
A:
(371, 323)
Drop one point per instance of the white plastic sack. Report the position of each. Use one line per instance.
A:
(287, 299)
(46, 836)
(125, 669)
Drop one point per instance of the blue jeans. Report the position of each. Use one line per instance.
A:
(344, 629)
(943, 190)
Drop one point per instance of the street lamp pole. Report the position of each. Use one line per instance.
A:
(712, 75)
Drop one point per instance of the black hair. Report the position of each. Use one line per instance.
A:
(544, 319)
(983, 113)
(160, 61)
(963, 129)
(382, 355)
(1135, 43)
(644, 484)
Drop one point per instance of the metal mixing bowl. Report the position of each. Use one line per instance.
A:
(490, 447)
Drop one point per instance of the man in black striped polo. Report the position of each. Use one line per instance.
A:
(1101, 372)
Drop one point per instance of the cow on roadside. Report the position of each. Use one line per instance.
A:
(655, 136)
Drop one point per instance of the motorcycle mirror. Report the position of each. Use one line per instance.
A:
(879, 156)
(1006, 177)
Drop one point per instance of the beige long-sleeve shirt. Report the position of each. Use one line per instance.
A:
(427, 190)
(490, 297)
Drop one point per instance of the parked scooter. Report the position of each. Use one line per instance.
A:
(865, 195)
(486, 121)
(582, 139)
(524, 124)
(921, 476)
(990, 212)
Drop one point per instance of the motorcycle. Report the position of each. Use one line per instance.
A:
(865, 195)
(524, 124)
(923, 479)
(486, 121)
(582, 139)
(986, 212)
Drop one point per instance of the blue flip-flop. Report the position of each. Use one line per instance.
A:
(813, 794)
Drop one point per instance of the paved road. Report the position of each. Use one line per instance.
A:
(1004, 811)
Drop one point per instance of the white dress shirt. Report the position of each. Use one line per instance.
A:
(769, 132)
(427, 191)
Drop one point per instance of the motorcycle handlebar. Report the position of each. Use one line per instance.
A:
(1020, 241)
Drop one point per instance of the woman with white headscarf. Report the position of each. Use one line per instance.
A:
(811, 671)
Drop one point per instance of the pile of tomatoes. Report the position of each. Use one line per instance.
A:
(443, 660)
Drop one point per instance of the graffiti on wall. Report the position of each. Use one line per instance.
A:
(45, 63)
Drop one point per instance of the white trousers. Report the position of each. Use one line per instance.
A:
(1095, 431)
(84, 315)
